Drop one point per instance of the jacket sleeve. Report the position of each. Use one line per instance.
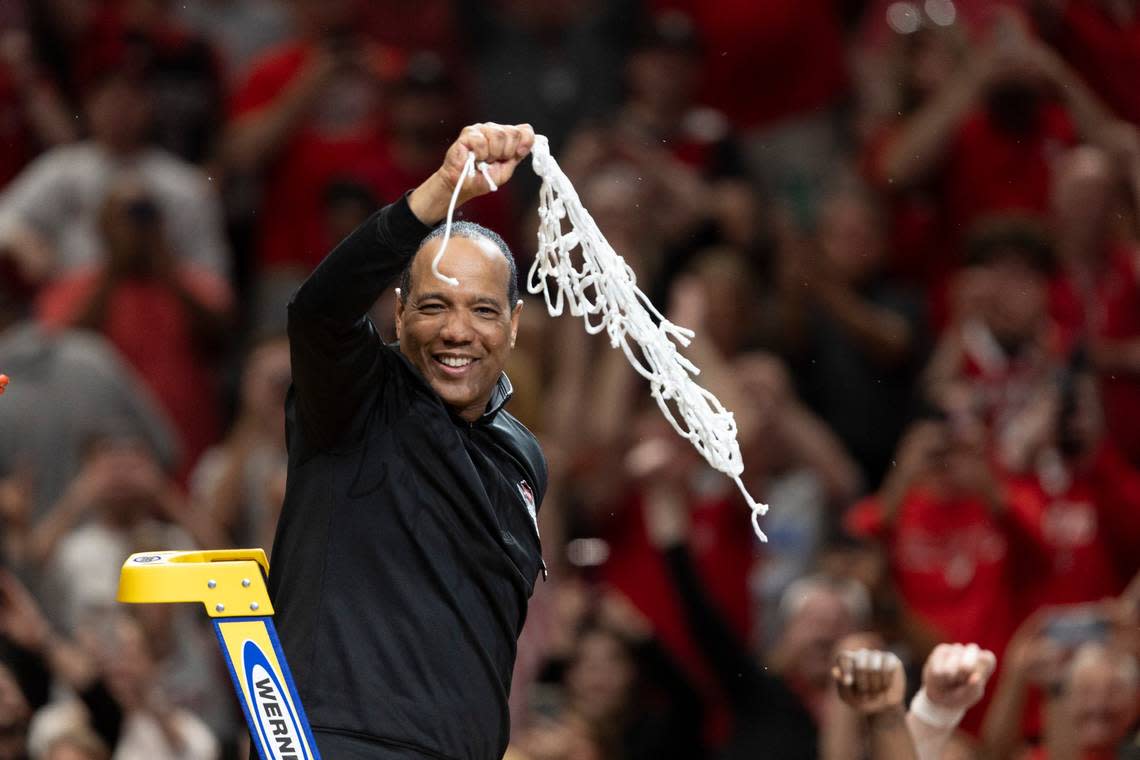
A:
(338, 358)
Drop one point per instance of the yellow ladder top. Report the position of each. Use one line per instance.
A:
(229, 582)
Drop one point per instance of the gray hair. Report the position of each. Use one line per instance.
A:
(468, 231)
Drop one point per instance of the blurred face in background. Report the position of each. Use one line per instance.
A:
(730, 298)
(1104, 696)
(129, 478)
(619, 202)
(264, 384)
(1015, 310)
(814, 628)
(422, 119)
(929, 59)
(850, 238)
(601, 676)
(662, 77)
(1082, 199)
(119, 113)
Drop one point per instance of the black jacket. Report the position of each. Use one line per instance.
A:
(406, 551)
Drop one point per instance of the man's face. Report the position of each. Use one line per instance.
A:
(459, 336)
(119, 113)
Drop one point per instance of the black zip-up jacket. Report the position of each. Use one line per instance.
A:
(407, 551)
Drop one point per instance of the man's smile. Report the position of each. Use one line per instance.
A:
(454, 365)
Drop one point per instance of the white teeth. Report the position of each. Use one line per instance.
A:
(454, 361)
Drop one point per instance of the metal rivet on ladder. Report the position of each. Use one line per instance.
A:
(212, 584)
(254, 606)
(220, 608)
(245, 583)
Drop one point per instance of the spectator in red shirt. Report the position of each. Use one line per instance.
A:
(984, 142)
(309, 113)
(1001, 344)
(1097, 296)
(1072, 493)
(940, 517)
(168, 319)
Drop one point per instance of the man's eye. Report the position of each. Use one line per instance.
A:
(486, 311)
(431, 308)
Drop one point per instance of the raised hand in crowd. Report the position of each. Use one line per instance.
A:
(953, 680)
(872, 684)
(1031, 659)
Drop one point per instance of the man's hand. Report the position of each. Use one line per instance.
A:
(500, 146)
(869, 680)
(954, 676)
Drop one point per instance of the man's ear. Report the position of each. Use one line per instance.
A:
(515, 321)
(399, 313)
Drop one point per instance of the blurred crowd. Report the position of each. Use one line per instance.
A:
(907, 235)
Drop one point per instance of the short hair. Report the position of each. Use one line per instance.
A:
(468, 231)
(1015, 236)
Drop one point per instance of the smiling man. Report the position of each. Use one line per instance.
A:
(408, 545)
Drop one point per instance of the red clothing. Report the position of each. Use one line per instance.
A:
(1109, 309)
(985, 171)
(723, 555)
(953, 564)
(951, 561)
(767, 61)
(917, 248)
(341, 139)
(989, 171)
(148, 324)
(1077, 523)
(422, 25)
(1105, 53)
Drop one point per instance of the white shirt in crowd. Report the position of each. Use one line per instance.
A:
(58, 197)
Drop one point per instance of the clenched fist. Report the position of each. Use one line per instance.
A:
(869, 680)
(955, 675)
(500, 146)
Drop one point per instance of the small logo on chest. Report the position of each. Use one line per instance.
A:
(527, 495)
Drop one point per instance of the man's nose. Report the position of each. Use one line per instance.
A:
(456, 327)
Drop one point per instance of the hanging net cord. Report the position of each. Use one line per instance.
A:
(604, 292)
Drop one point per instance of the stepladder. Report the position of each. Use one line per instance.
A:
(230, 583)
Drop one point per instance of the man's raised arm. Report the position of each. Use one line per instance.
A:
(336, 353)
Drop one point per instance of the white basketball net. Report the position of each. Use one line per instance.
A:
(604, 292)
